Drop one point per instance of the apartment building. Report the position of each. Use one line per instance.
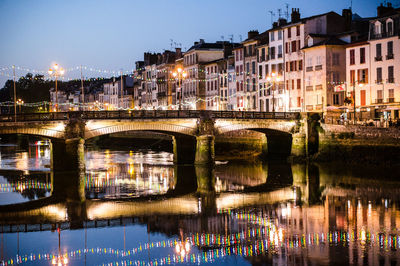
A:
(372, 67)
(194, 63)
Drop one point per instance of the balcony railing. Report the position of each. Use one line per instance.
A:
(309, 69)
(378, 58)
(378, 100)
(309, 88)
(146, 114)
(389, 56)
(390, 100)
(390, 80)
(318, 67)
(318, 87)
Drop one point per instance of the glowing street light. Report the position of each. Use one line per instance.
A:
(56, 72)
(20, 103)
(180, 74)
(273, 78)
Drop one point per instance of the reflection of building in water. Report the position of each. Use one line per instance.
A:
(31, 187)
(130, 180)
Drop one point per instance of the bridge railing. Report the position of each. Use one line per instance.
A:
(148, 114)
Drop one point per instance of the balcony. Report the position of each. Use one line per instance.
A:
(378, 100)
(309, 69)
(318, 67)
(390, 80)
(390, 100)
(318, 87)
(382, 35)
(389, 56)
(309, 88)
(379, 81)
(378, 58)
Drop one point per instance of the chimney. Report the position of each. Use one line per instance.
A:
(347, 15)
(178, 52)
(383, 11)
(282, 22)
(251, 34)
(295, 16)
(201, 40)
(275, 24)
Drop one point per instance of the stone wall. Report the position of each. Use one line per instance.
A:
(358, 144)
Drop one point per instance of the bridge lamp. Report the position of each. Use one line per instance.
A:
(180, 74)
(273, 78)
(56, 72)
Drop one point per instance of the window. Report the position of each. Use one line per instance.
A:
(335, 59)
(298, 102)
(309, 61)
(352, 57)
(294, 46)
(254, 84)
(253, 67)
(390, 74)
(272, 52)
(260, 71)
(335, 99)
(241, 54)
(297, 30)
(335, 77)
(263, 54)
(248, 85)
(287, 47)
(363, 75)
(280, 35)
(391, 96)
(289, 33)
(266, 70)
(378, 52)
(389, 26)
(379, 96)
(362, 55)
(279, 51)
(248, 68)
(352, 77)
(300, 65)
(237, 56)
(287, 67)
(378, 75)
(292, 84)
(299, 84)
(319, 60)
(272, 36)
(389, 50)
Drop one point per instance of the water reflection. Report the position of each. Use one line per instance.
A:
(135, 208)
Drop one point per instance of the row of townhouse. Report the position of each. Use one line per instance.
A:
(318, 64)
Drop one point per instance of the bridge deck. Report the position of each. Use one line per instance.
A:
(148, 114)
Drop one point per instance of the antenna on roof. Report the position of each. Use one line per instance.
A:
(272, 16)
(279, 13)
(240, 38)
(287, 11)
(231, 38)
(351, 5)
(222, 37)
(175, 44)
(179, 45)
(171, 42)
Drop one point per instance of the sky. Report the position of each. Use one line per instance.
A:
(112, 35)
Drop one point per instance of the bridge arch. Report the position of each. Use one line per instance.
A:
(182, 127)
(52, 130)
(278, 133)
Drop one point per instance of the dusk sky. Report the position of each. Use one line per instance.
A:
(112, 35)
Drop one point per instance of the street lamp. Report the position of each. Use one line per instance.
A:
(274, 78)
(354, 98)
(56, 72)
(180, 74)
(20, 102)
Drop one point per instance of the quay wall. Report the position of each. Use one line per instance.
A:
(358, 144)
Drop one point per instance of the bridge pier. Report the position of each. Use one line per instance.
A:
(67, 155)
(205, 153)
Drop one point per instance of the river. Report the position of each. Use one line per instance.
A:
(135, 207)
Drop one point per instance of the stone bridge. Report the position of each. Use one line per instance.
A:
(193, 132)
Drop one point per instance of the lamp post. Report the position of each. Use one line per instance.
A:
(20, 103)
(354, 99)
(56, 72)
(274, 78)
(180, 74)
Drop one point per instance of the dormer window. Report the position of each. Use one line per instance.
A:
(377, 28)
(389, 27)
